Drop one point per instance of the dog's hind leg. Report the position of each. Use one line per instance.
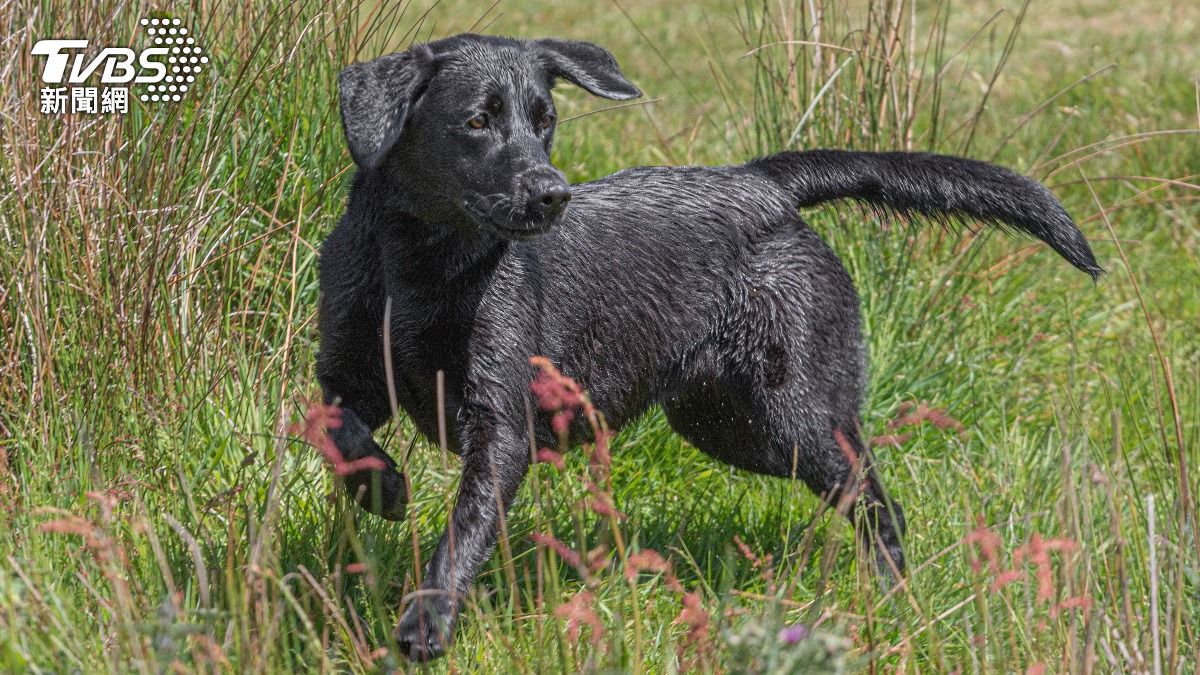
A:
(776, 438)
(834, 462)
(841, 469)
(786, 381)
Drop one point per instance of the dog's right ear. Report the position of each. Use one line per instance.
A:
(376, 98)
(586, 65)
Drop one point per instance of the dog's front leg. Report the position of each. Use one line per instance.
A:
(495, 461)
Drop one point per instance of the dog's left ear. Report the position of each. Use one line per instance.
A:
(589, 66)
(376, 98)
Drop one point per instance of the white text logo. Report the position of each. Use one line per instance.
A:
(166, 68)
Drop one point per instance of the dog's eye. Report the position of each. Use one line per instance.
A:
(547, 121)
(479, 121)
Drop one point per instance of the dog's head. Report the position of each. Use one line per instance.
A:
(464, 125)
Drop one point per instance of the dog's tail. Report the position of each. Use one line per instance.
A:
(936, 186)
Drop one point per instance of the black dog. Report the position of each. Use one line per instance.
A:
(699, 289)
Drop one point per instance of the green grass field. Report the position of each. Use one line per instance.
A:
(158, 278)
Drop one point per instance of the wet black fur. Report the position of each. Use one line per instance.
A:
(698, 289)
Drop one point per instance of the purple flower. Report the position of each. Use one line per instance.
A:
(793, 633)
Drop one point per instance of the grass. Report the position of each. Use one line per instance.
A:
(158, 283)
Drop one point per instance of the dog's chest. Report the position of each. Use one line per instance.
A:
(426, 338)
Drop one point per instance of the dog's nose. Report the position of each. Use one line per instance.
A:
(548, 197)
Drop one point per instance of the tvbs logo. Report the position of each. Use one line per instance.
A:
(166, 68)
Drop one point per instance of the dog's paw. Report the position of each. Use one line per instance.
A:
(425, 629)
(886, 562)
(889, 565)
(382, 493)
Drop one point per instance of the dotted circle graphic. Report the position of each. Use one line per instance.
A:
(184, 58)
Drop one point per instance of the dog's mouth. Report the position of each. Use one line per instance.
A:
(521, 233)
(510, 222)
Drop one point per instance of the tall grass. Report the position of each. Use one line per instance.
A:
(158, 283)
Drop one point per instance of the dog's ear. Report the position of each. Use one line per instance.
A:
(376, 98)
(587, 65)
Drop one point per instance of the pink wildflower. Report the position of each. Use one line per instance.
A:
(548, 456)
(988, 543)
(556, 393)
(565, 552)
(1038, 551)
(578, 612)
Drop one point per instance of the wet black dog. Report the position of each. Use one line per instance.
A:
(699, 289)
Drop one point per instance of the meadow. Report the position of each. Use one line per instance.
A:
(162, 511)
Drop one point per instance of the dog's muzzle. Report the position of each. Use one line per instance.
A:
(538, 202)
